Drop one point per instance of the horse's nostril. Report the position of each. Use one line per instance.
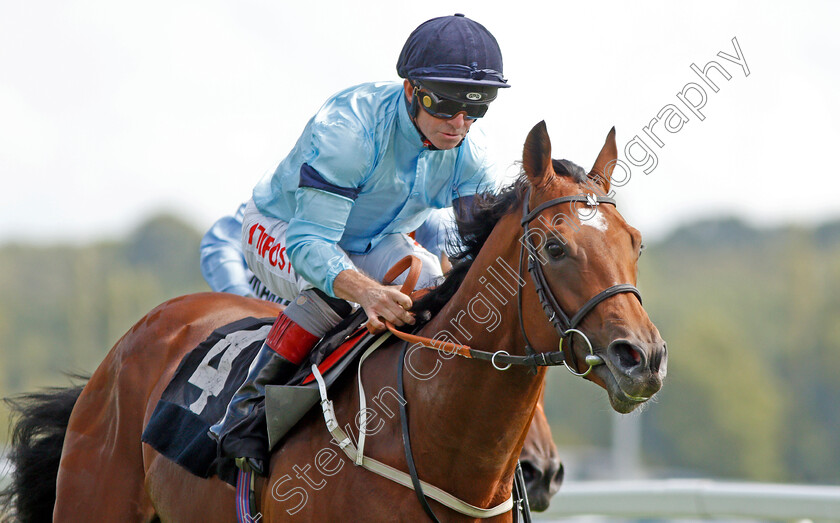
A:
(656, 358)
(628, 356)
(661, 360)
(529, 472)
(557, 479)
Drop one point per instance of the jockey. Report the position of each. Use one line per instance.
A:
(370, 167)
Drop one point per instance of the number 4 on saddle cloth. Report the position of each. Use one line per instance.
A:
(209, 375)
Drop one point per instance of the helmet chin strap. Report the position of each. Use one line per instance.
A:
(413, 107)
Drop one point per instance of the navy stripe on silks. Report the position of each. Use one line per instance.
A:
(309, 177)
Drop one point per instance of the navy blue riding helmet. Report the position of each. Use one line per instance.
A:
(454, 64)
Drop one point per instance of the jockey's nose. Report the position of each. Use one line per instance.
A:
(459, 120)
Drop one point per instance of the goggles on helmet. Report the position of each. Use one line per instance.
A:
(445, 108)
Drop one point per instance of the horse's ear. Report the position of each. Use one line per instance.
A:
(604, 165)
(536, 156)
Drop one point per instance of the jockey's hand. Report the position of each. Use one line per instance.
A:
(385, 303)
(380, 302)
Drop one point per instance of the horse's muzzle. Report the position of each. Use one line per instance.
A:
(636, 370)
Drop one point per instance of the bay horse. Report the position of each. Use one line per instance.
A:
(468, 418)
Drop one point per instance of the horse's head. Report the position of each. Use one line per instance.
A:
(582, 247)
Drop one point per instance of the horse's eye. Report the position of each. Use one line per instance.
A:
(555, 250)
(641, 249)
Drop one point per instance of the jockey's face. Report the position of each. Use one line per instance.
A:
(444, 134)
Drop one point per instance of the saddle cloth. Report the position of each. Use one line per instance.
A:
(209, 375)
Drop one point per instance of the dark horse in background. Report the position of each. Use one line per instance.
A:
(468, 424)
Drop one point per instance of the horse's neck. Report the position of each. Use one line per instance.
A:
(474, 418)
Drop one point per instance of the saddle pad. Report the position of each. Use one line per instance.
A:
(198, 395)
(208, 377)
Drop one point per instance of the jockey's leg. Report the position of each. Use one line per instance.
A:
(392, 249)
(242, 434)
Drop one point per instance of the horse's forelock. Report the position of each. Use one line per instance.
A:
(570, 169)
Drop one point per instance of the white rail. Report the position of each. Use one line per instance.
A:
(696, 498)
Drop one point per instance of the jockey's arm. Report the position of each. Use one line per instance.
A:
(222, 263)
(387, 302)
(313, 251)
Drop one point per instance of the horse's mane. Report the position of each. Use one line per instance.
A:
(471, 234)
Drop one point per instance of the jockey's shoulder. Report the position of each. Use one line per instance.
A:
(365, 105)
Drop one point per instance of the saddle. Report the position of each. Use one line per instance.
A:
(286, 404)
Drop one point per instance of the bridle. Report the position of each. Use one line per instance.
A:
(564, 325)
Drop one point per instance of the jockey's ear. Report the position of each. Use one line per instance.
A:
(605, 163)
(536, 156)
(409, 90)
